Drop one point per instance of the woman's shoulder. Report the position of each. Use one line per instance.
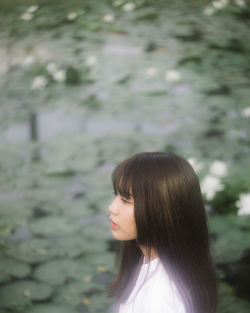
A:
(162, 296)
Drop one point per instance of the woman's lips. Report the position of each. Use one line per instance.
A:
(112, 224)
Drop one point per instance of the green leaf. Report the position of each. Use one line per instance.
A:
(74, 292)
(73, 76)
(51, 308)
(156, 93)
(53, 226)
(229, 302)
(232, 237)
(56, 272)
(12, 268)
(31, 251)
(124, 79)
(21, 293)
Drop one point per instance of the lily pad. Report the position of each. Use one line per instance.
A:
(68, 154)
(74, 292)
(21, 293)
(13, 213)
(92, 102)
(9, 223)
(229, 246)
(232, 237)
(98, 230)
(12, 268)
(38, 250)
(70, 245)
(147, 14)
(31, 251)
(73, 76)
(55, 272)
(124, 79)
(99, 302)
(157, 93)
(102, 261)
(228, 302)
(51, 308)
(116, 147)
(53, 226)
(226, 222)
(98, 200)
(78, 208)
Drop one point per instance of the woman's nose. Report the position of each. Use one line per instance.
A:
(112, 208)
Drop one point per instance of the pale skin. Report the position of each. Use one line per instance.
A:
(122, 213)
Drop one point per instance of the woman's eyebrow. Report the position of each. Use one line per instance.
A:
(130, 197)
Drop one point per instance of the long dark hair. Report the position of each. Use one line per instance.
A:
(170, 217)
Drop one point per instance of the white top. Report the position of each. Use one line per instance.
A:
(157, 295)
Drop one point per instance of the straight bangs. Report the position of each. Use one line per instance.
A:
(122, 180)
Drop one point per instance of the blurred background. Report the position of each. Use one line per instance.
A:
(86, 84)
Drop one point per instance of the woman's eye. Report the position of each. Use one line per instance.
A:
(125, 201)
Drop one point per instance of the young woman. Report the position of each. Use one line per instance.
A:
(158, 214)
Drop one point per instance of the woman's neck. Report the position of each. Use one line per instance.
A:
(154, 255)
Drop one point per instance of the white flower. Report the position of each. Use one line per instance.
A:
(51, 67)
(28, 60)
(151, 72)
(59, 76)
(108, 18)
(195, 164)
(246, 112)
(220, 4)
(39, 82)
(172, 76)
(243, 204)
(128, 7)
(210, 185)
(209, 11)
(117, 3)
(71, 16)
(240, 3)
(26, 16)
(32, 9)
(218, 168)
(91, 60)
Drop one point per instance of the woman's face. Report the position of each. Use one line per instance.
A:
(122, 214)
